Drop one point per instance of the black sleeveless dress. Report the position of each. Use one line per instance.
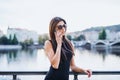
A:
(62, 73)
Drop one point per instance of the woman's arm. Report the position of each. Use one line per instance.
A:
(74, 67)
(78, 69)
(54, 58)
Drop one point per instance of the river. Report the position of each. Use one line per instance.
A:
(36, 60)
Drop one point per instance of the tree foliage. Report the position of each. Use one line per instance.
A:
(42, 39)
(69, 37)
(80, 38)
(102, 35)
(4, 40)
(14, 41)
(8, 41)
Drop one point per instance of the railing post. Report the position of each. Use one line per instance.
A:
(75, 76)
(14, 77)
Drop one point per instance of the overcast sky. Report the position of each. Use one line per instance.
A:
(36, 14)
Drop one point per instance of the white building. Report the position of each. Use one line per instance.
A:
(112, 35)
(22, 34)
(118, 35)
(91, 35)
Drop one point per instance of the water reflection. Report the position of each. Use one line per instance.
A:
(103, 52)
(35, 59)
(12, 56)
(18, 55)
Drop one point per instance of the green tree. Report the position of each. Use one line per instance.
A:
(42, 39)
(31, 41)
(27, 42)
(81, 37)
(69, 37)
(14, 41)
(102, 35)
(4, 40)
(10, 39)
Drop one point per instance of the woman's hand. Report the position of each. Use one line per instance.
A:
(88, 72)
(58, 36)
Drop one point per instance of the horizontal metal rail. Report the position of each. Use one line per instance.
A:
(15, 73)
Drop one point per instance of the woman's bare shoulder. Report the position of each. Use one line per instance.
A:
(48, 48)
(47, 44)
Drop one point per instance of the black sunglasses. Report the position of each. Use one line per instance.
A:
(61, 26)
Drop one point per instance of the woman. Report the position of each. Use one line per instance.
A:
(60, 52)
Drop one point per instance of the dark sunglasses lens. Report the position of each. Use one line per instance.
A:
(64, 26)
(60, 27)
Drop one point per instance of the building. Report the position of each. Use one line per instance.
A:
(91, 35)
(22, 34)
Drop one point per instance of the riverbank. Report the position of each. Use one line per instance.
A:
(10, 47)
(35, 47)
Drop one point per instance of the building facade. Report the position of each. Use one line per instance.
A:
(22, 34)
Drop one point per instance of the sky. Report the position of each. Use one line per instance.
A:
(35, 15)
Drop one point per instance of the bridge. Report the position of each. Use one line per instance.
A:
(97, 43)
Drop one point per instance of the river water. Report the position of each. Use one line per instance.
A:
(36, 60)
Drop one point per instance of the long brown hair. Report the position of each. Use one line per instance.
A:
(53, 24)
(52, 27)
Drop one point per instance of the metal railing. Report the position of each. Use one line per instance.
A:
(15, 73)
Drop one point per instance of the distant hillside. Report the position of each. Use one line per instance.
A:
(115, 28)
